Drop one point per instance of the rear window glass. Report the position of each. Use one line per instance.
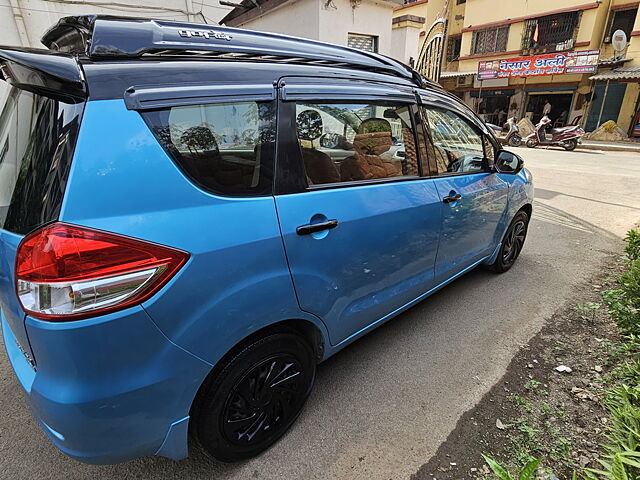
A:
(37, 137)
(225, 148)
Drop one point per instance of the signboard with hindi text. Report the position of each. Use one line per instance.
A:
(536, 65)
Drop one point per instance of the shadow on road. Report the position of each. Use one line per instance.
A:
(542, 194)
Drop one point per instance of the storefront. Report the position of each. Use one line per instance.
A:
(560, 100)
(493, 105)
(616, 98)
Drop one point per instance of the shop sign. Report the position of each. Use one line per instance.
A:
(536, 65)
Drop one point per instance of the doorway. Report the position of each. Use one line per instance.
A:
(560, 107)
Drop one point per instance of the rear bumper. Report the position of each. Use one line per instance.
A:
(110, 389)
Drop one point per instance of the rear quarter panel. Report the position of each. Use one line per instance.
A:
(237, 279)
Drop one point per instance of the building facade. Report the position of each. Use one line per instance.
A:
(536, 56)
(364, 24)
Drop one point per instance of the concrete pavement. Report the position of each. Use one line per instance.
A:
(382, 406)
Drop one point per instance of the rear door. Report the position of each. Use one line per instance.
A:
(360, 224)
(474, 197)
(37, 137)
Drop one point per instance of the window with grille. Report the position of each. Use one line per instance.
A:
(551, 33)
(453, 48)
(363, 42)
(490, 40)
(621, 20)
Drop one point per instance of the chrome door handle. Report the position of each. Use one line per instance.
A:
(452, 198)
(316, 227)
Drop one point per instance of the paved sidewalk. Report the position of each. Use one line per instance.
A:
(610, 146)
(629, 146)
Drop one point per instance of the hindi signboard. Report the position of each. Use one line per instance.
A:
(536, 65)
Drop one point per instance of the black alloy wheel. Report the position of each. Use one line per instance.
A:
(262, 400)
(512, 243)
(255, 398)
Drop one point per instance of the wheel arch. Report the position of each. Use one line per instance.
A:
(305, 329)
(526, 208)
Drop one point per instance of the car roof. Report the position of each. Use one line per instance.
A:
(117, 53)
(103, 38)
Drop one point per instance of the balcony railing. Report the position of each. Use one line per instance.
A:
(551, 33)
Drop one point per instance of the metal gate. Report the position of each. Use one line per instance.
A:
(430, 59)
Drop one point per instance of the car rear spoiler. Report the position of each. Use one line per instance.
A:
(47, 73)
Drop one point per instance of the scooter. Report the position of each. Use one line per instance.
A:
(566, 137)
(513, 138)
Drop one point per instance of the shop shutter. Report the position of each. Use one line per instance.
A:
(612, 104)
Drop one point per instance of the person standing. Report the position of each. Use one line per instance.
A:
(546, 110)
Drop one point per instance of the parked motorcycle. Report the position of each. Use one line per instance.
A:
(566, 137)
(513, 138)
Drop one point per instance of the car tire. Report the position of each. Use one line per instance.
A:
(512, 243)
(254, 399)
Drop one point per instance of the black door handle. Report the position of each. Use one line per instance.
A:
(452, 198)
(316, 227)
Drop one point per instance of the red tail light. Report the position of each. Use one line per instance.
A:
(65, 272)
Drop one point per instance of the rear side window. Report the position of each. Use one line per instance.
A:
(225, 148)
(355, 142)
(37, 138)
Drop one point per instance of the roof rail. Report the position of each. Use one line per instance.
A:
(107, 37)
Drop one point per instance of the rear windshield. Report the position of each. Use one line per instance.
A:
(37, 137)
(225, 148)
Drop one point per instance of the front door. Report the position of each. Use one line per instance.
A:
(361, 236)
(474, 198)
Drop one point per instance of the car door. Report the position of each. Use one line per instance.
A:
(360, 224)
(474, 197)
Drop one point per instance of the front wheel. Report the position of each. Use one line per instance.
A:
(532, 142)
(255, 398)
(512, 243)
(515, 140)
(570, 145)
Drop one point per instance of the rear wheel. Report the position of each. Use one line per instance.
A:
(512, 243)
(255, 398)
(570, 145)
(515, 141)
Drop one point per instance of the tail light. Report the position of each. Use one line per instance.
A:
(65, 272)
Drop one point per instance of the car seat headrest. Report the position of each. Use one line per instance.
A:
(309, 125)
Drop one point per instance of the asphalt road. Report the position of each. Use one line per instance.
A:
(383, 405)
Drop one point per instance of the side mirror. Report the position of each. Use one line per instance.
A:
(508, 162)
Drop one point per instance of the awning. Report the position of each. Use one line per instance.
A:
(620, 73)
(456, 74)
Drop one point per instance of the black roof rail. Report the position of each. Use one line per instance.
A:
(108, 37)
(44, 72)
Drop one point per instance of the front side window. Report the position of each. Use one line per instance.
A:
(457, 146)
(226, 148)
(490, 40)
(355, 142)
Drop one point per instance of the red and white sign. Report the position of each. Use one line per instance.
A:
(535, 65)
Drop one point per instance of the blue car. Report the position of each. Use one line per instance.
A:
(193, 217)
